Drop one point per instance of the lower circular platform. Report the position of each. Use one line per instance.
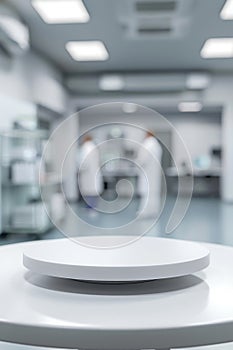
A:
(148, 258)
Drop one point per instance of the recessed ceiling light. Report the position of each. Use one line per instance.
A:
(61, 11)
(190, 107)
(111, 83)
(129, 107)
(197, 81)
(87, 50)
(218, 48)
(227, 11)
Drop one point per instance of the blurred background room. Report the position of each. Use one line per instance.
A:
(60, 58)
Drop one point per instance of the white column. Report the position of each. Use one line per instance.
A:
(227, 148)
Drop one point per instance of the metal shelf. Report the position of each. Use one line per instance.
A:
(20, 182)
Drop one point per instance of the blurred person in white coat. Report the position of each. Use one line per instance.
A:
(89, 175)
(149, 182)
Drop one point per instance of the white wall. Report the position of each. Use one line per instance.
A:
(28, 80)
(199, 134)
(220, 92)
(64, 154)
(12, 109)
(30, 77)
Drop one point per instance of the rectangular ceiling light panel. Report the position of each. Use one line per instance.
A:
(190, 107)
(111, 83)
(218, 48)
(197, 81)
(227, 11)
(87, 50)
(61, 11)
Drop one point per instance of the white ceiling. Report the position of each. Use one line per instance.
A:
(112, 21)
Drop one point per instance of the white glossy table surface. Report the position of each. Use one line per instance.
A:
(188, 311)
(147, 258)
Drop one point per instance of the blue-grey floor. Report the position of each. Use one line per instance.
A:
(207, 219)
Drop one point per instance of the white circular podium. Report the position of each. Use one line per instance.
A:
(148, 258)
(180, 312)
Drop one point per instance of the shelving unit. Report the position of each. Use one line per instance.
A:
(24, 176)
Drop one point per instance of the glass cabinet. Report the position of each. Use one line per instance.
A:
(24, 175)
